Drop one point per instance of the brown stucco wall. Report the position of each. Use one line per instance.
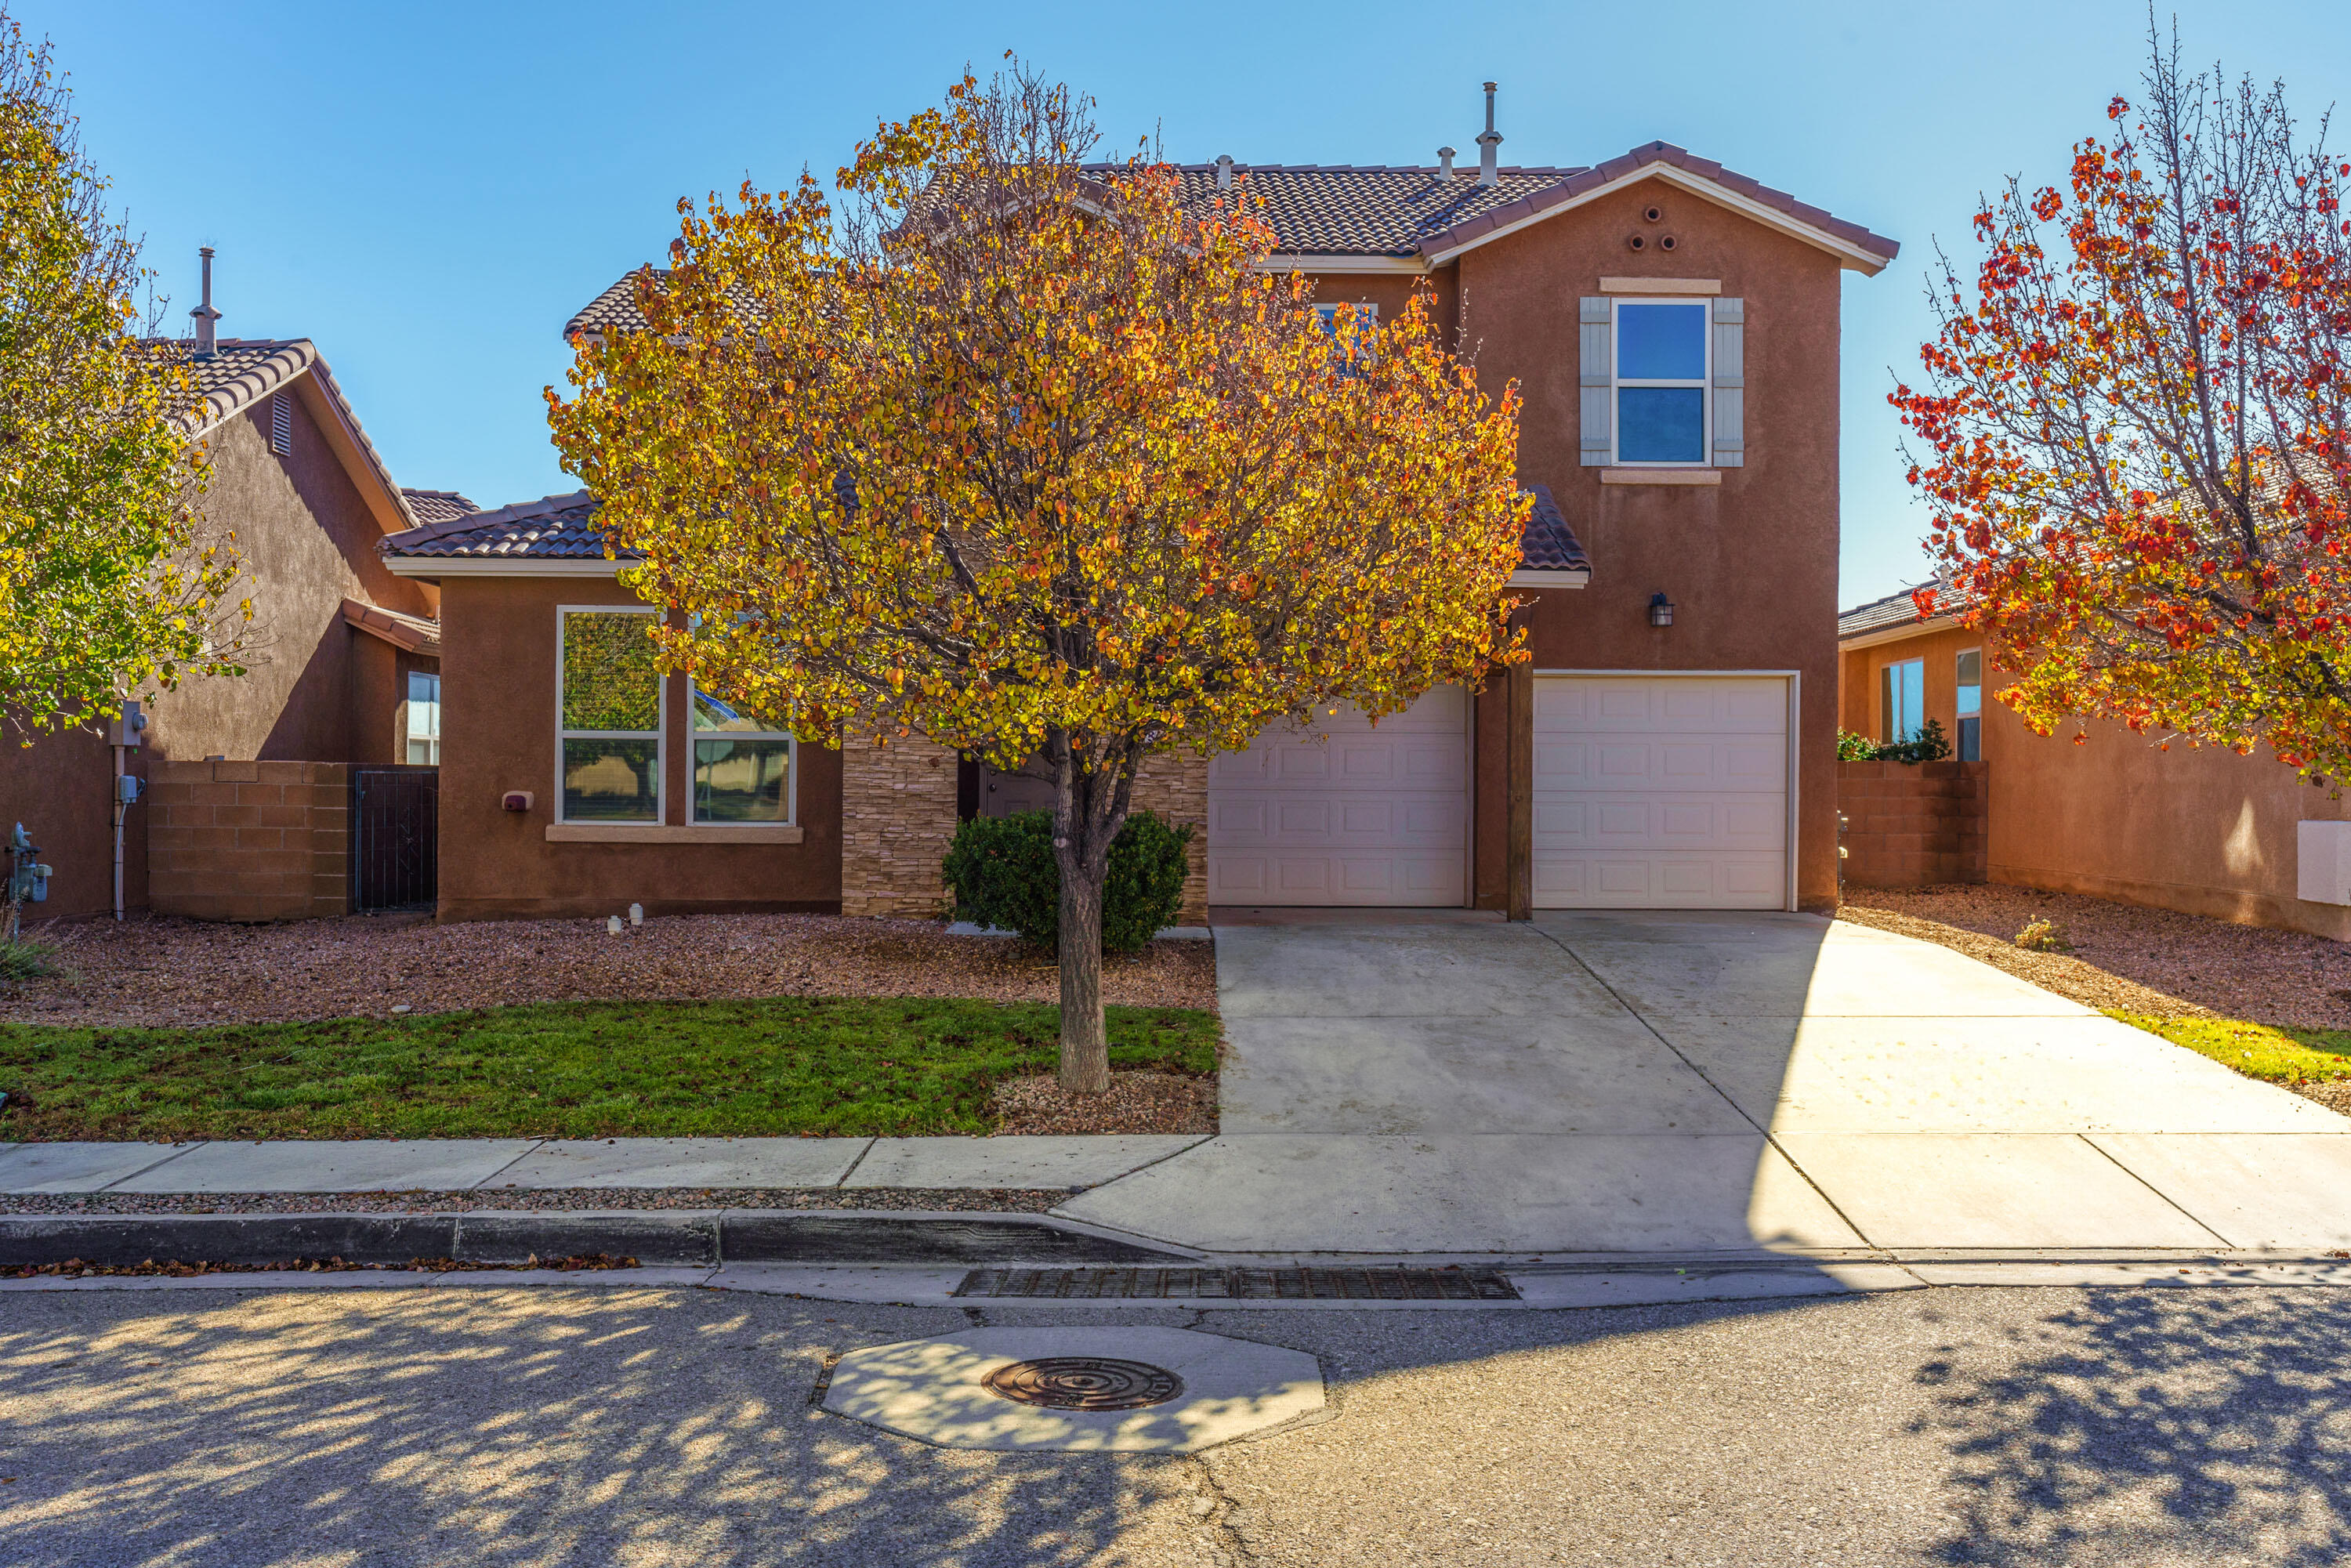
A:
(308, 539)
(2206, 831)
(1750, 564)
(499, 733)
(250, 841)
(61, 787)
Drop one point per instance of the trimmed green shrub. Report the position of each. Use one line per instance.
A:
(1002, 874)
(1930, 746)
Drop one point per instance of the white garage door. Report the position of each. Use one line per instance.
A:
(1372, 816)
(1661, 792)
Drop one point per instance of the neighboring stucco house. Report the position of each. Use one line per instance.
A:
(1674, 328)
(2200, 830)
(344, 653)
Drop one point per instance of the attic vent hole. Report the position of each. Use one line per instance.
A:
(281, 425)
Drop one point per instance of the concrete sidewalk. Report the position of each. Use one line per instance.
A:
(493, 1165)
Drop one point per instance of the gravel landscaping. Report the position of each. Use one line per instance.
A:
(164, 973)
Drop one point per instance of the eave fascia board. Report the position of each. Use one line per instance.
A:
(1311, 261)
(1853, 256)
(432, 568)
(1896, 633)
(1529, 578)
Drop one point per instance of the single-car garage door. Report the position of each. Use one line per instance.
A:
(1374, 815)
(1661, 792)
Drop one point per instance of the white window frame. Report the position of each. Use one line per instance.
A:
(1617, 381)
(694, 739)
(564, 612)
(1888, 683)
(1960, 716)
(409, 734)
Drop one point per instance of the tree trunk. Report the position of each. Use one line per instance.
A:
(1089, 805)
(1085, 1038)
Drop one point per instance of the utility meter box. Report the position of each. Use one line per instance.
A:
(2323, 862)
(125, 728)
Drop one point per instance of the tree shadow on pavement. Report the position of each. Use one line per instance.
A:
(563, 1429)
(2137, 1417)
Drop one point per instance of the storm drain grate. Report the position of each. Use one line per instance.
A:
(1242, 1284)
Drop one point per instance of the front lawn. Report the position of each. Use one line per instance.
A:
(2278, 1055)
(571, 1070)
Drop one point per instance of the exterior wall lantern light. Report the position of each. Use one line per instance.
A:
(1661, 610)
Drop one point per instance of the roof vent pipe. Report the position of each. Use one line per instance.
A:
(1490, 170)
(1224, 172)
(1445, 162)
(206, 344)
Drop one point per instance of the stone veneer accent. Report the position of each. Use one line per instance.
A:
(248, 841)
(898, 816)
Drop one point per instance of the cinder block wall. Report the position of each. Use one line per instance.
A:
(1913, 824)
(250, 841)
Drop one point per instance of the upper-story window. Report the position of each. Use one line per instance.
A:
(1905, 700)
(1661, 381)
(610, 716)
(1366, 323)
(1664, 382)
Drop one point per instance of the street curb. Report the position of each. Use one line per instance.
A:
(655, 1238)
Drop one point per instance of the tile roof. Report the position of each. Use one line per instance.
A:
(416, 633)
(1550, 545)
(246, 370)
(554, 527)
(1399, 213)
(437, 506)
(563, 527)
(1893, 610)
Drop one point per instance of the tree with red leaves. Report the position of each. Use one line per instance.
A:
(2134, 434)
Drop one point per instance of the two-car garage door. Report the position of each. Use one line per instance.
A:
(1650, 792)
(1661, 792)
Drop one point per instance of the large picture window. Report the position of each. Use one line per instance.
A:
(1661, 381)
(742, 769)
(611, 722)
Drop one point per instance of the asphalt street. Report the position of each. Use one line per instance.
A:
(620, 1424)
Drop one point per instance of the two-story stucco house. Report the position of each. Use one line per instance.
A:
(1674, 328)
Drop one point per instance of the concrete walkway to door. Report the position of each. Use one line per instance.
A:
(1707, 1082)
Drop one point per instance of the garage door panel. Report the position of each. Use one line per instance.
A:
(1372, 814)
(1655, 791)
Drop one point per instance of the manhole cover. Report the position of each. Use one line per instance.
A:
(1083, 1382)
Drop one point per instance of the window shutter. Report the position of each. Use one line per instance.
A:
(1730, 383)
(1599, 382)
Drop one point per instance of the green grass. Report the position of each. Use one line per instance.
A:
(2261, 1050)
(573, 1070)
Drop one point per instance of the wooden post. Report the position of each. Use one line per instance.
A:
(1519, 874)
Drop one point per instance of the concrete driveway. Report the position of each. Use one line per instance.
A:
(1708, 1082)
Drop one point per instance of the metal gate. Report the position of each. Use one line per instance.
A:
(395, 837)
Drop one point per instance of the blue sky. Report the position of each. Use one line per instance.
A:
(428, 192)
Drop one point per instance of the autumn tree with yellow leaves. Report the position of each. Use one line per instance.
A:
(1035, 457)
